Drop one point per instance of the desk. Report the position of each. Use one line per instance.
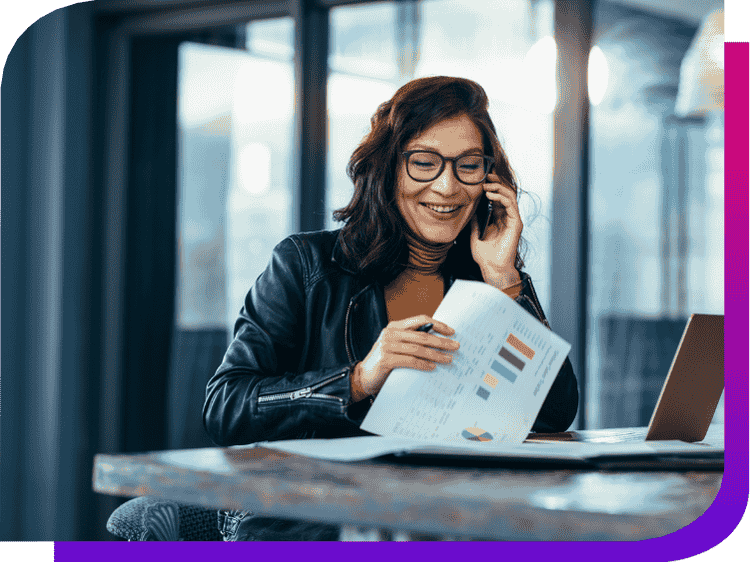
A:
(503, 503)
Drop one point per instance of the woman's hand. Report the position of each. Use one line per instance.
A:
(496, 252)
(400, 345)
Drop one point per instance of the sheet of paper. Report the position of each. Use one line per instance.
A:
(373, 446)
(344, 449)
(493, 389)
(570, 450)
(369, 447)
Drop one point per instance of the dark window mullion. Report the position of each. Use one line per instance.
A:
(311, 74)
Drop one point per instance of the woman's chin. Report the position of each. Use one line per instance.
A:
(439, 235)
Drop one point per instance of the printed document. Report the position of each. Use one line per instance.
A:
(492, 391)
(373, 446)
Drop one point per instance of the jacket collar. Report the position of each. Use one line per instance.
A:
(338, 257)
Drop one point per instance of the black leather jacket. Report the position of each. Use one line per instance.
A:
(307, 320)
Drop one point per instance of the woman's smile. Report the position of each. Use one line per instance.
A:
(438, 223)
(443, 212)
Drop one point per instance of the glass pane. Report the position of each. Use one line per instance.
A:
(362, 74)
(272, 39)
(656, 248)
(377, 48)
(234, 169)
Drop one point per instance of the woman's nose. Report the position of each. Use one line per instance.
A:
(446, 183)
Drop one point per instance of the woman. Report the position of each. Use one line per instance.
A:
(336, 311)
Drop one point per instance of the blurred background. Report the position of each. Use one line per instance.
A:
(154, 152)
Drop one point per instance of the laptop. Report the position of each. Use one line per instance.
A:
(688, 399)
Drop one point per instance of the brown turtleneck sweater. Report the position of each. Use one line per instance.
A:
(418, 289)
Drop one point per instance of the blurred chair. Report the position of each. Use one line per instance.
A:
(195, 356)
(153, 519)
(636, 353)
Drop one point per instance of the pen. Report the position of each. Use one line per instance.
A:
(425, 327)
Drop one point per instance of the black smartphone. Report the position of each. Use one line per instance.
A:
(484, 214)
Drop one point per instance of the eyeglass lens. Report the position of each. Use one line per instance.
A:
(426, 166)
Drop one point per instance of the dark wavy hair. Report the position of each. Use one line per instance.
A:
(372, 237)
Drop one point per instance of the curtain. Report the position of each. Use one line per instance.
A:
(149, 268)
(48, 421)
(87, 267)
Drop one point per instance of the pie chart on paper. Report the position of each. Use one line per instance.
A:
(476, 434)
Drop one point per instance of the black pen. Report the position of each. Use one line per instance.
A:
(425, 327)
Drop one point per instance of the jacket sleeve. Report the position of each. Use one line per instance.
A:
(256, 394)
(561, 405)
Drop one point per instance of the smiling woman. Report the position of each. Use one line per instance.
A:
(434, 200)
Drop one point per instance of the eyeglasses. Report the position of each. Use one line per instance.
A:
(423, 165)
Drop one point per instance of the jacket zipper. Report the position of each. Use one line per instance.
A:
(347, 331)
(307, 392)
(349, 352)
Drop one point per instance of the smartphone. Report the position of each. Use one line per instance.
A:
(484, 215)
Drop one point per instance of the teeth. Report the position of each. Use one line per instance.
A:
(441, 209)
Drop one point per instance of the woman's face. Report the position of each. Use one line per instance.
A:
(438, 210)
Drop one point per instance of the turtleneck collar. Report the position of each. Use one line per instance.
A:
(425, 257)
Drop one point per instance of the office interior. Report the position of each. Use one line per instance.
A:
(154, 152)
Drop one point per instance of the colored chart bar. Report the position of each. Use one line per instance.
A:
(522, 348)
(489, 380)
(512, 359)
(483, 393)
(503, 371)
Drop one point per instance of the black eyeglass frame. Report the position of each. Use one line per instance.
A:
(488, 166)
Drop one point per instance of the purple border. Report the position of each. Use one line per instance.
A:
(710, 529)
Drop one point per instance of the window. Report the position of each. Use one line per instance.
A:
(656, 217)
(235, 192)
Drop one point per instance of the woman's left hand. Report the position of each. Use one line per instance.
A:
(496, 252)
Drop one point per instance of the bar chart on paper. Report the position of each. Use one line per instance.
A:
(509, 364)
(495, 385)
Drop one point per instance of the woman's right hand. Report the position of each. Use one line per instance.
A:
(401, 345)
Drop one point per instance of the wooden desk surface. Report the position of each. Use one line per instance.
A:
(487, 502)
